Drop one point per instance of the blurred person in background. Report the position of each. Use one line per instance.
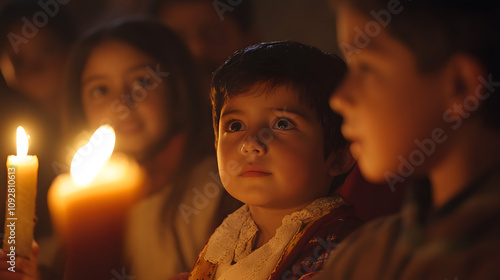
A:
(36, 42)
(212, 30)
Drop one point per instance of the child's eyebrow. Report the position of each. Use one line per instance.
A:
(92, 78)
(132, 69)
(373, 48)
(229, 112)
(142, 66)
(286, 110)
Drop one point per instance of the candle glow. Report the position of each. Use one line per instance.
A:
(89, 206)
(90, 158)
(22, 142)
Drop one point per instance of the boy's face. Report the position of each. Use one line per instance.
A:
(270, 149)
(387, 104)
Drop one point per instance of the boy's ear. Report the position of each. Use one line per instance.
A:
(463, 77)
(340, 161)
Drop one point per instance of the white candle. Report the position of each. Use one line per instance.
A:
(22, 175)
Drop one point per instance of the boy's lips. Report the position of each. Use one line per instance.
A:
(253, 171)
(349, 133)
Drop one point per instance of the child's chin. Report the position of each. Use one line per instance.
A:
(257, 202)
(373, 173)
(137, 154)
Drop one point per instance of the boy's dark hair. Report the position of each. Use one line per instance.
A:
(434, 30)
(242, 13)
(314, 74)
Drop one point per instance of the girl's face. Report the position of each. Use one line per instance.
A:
(123, 86)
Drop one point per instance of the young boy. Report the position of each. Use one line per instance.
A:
(420, 101)
(280, 151)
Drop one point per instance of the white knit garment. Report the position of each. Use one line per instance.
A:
(234, 238)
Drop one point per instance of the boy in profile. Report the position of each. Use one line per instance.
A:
(421, 101)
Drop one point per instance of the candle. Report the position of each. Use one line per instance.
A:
(89, 206)
(22, 172)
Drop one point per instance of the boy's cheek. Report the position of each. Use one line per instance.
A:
(224, 177)
(229, 169)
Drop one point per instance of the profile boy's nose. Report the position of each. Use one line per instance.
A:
(341, 98)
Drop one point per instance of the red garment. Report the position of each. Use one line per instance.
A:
(372, 200)
(307, 253)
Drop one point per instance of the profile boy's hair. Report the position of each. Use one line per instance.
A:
(434, 30)
(312, 73)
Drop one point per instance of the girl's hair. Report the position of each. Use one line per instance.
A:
(188, 112)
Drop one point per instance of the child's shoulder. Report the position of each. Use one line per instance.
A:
(337, 222)
(307, 252)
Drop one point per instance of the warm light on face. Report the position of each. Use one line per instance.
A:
(22, 142)
(90, 158)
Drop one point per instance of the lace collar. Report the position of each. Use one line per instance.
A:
(230, 247)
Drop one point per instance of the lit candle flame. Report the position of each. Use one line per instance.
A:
(22, 142)
(90, 158)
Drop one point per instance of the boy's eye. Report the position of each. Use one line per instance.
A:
(283, 124)
(365, 70)
(235, 126)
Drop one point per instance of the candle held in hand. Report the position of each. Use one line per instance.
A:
(22, 175)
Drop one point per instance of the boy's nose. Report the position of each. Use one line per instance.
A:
(252, 146)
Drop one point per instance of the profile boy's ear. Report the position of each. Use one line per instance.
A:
(340, 161)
